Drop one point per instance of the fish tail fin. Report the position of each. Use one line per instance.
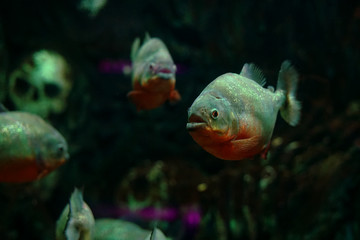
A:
(287, 82)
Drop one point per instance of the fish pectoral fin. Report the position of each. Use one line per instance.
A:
(136, 98)
(174, 96)
(144, 100)
(248, 142)
(42, 174)
(248, 146)
(132, 95)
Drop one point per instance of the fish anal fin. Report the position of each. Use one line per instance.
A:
(144, 100)
(254, 73)
(264, 153)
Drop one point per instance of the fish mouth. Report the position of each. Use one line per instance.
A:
(166, 72)
(195, 123)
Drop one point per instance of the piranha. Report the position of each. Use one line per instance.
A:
(153, 74)
(77, 222)
(234, 116)
(30, 148)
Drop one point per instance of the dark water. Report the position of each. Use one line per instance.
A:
(308, 188)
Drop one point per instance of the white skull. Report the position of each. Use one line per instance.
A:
(41, 84)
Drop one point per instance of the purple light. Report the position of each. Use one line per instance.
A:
(120, 66)
(151, 213)
(123, 66)
(192, 218)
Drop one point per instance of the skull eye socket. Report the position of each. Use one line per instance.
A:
(21, 86)
(214, 113)
(51, 90)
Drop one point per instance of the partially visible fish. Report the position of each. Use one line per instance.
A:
(76, 220)
(92, 7)
(30, 148)
(153, 74)
(234, 116)
(108, 229)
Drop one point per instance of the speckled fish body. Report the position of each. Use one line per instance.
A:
(113, 229)
(234, 116)
(153, 74)
(30, 148)
(108, 229)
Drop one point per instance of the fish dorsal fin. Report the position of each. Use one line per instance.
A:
(147, 37)
(153, 234)
(3, 108)
(135, 48)
(75, 205)
(254, 73)
(156, 234)
(76, 201)
(81, 221)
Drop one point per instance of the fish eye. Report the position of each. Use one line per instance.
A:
(60, 150)
(152, 66)
(214, 113)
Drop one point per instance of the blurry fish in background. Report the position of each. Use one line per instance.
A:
(92, 7)
(153, 74)
(234, 116)
(30, 148)
(77, 222)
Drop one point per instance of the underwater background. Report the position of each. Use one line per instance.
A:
(144, 167)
